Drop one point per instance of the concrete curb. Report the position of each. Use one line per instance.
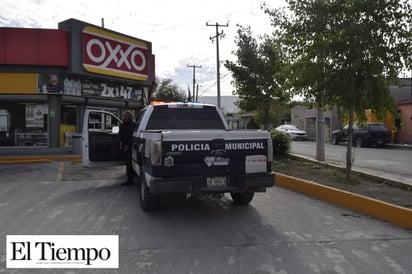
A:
(394, 214)
(400, 146)
(39, 159)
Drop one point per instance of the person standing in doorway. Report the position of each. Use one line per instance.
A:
(126, 140)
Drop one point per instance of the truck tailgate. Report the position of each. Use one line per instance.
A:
(214, 153)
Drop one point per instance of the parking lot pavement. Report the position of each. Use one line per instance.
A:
(280, 231)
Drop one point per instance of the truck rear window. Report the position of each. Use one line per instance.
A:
(185, 118)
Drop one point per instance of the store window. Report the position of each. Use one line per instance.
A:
(23, 124)
(102, 122)
(68, 120)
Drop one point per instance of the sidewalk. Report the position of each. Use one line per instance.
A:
(400, 146)
(391, 145)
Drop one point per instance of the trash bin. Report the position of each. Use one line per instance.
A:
(77, 143)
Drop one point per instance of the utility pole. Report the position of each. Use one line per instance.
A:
(217, 25)
(194, 79)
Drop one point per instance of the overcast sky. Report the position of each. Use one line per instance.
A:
(177, 29)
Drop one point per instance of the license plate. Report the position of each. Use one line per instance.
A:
(213, 182)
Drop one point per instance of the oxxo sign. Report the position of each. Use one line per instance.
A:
(115, 55)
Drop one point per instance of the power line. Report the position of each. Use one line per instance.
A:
(217, 25)
(224, 76)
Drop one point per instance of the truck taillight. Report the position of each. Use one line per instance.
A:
(156, 153)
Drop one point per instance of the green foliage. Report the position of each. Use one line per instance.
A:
(257, 75)
(169, 92)
(281, 144)
(252, 124)
(345, 53)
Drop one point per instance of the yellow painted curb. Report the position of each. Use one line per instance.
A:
(77, 161)
(378, 209)
(24, 161)
(39, 159)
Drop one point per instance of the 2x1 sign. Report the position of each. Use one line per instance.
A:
(114, 55)
(62, 251)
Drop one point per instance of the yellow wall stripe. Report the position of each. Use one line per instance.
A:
(18, 83)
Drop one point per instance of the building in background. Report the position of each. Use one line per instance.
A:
(403, 96)
(48, 77)
(227, 103)
(305, 118)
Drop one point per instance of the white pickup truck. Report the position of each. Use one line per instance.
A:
(184, 148)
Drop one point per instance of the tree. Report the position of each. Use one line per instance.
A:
(169, 92)
(345, 53)
(256, 75)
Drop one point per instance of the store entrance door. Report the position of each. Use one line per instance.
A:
(68, 123)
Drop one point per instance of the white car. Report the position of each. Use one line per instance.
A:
(293, 131)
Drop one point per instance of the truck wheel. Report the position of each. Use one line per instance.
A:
(148, 200)
(242, 198)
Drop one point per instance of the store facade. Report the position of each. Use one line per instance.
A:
(49, 77)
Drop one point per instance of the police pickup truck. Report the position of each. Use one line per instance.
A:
(184, 148)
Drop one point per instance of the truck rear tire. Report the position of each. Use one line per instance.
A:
(148, 200)
(242, 198)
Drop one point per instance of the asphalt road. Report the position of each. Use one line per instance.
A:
(395, 164)
(279, 232)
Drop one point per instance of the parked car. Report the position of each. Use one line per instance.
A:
(293, 131)
(376, 134)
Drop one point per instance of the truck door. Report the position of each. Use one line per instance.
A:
(101, 139)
